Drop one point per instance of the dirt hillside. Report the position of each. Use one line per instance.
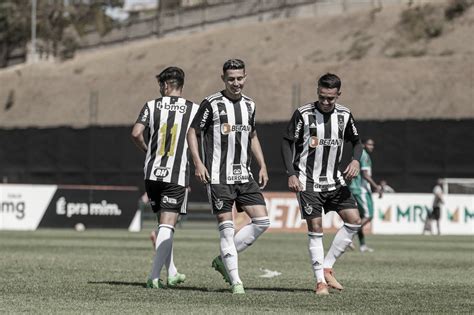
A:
(384, 76)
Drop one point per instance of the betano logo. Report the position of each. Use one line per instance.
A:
(228, 128)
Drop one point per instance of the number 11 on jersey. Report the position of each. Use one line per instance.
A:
(163, 139)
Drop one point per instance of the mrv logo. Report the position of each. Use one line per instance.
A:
(98, 209)
(16, 208)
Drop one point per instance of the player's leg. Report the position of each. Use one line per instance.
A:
(343, 202)
(366, 210)
(166, 200)
(222, 200)
(311, 210)
(250, 200)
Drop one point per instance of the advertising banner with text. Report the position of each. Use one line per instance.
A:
(28, 207)
(393, 214)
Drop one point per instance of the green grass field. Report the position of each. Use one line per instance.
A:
(102, 271)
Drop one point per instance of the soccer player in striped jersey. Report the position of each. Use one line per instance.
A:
(226, 122)
(312, 150)
(166, 166)
(361, 188)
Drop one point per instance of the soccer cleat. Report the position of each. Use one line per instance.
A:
(238, 288)
(177, 279)
(331, 280)
(366, 249)
(321, 289)
(218, 265)
(154, 284)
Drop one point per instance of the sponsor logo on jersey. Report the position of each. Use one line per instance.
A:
(236, 169)
(228, 128)
(330, 142)
(237, 178)
(204, 118)
(313, 141)
(161, 172)
(172, 107)
(167, 199)
(324, 186)
(146, 112)
(298, 129)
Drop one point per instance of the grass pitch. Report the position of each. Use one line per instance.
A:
(103, 271)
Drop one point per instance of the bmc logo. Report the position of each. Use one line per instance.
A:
(172, 107)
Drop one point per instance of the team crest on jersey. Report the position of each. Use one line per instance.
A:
(308, 209)
(313, 141)
(219, 204)
(161, 172)
(340, 122)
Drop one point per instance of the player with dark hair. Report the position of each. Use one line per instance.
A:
(312, 150)
(166, 165)
(361, 188)
(226, 121)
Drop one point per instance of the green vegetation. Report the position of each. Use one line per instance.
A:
(102, 271)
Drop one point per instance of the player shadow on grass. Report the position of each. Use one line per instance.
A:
(184, 288)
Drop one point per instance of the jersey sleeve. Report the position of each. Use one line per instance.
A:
(294, 130)
(252, 120)
(365, 162)
(144, 116)
(351, 134)
(203, 118)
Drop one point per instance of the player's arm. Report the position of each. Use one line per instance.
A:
(375, 187)
(137, 136)
(292, 134)
(139, 127)
(200, 122)
(201, 172)
(351, 134)
(258, 154)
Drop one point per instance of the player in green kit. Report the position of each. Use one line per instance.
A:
(361, 187)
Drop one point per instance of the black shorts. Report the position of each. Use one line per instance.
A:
(313, 203)
(167, 196)
(436, 213)
(222, 196)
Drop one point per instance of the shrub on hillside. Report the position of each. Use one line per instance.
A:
(421, 22)
(457, 8)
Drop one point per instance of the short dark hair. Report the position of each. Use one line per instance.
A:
(174, 76)
(365, 140)
(329, 81)
(233, 64)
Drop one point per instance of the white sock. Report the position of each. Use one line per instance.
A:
(249, 233)
(228, 251)
(316, 253)
(164, 244)
(341, 241)
(172, 271)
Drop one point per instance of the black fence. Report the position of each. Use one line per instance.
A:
(410, 154)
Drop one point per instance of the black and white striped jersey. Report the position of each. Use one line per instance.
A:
(318, 142)
(168, 119)
(226, 129)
